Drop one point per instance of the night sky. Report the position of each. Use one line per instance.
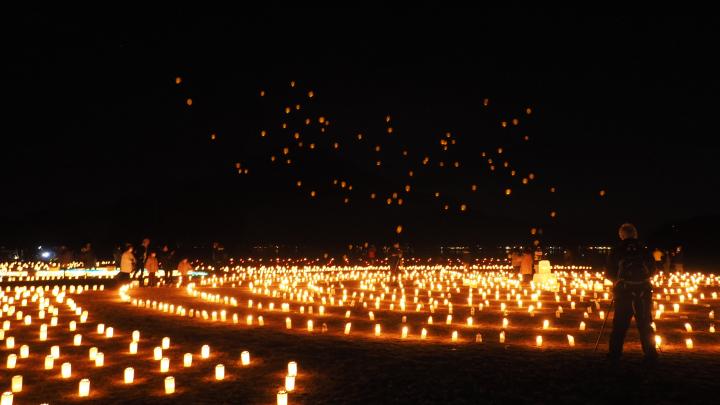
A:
(99, 145)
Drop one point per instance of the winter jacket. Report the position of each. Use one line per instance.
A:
(127, 262)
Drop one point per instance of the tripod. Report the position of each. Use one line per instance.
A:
(602, 328)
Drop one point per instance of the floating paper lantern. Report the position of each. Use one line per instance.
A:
(347, 328)
(688, 327)
(101, 328)
(658, 341)
(423, 333)
(55, 351)
(377, 329)
(245, 358)
(164, 365)
(169, 385)
(220, 372)
(157, 353)
(292, 368)
(136, 336)
(538, 341)
(66, 370)
(93, 353)
(7, 398)
(129, 375)
(454, 336)
(205, 351)
(133, 347)
(403, 334)
(109, 332)
(49, 362)
(187, 360)
(502, 337)
(689, 343)
(582, 325)
(77, 339)
(165, 343)
(24, 351)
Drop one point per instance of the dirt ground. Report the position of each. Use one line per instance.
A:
(339, 369)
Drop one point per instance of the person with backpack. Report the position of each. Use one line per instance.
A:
(630, 268)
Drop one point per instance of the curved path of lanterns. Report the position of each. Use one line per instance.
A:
(441, 304)
(74, 340)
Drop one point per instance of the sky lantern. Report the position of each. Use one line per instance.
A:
(399, 229)
(178, 80)
(189, 102)
(508, 191)
(213, 136)
(262, 93)
(602, 193)
(292, 83)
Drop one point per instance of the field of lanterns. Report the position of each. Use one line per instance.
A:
(298, 333)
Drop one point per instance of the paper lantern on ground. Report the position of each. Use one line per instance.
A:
(289, 383)
(17, 383)
(11, 361)
(100, 359)
(66, 370)
(49, 362)
(84, 387)
(129, 375)
(292, 368)
(169, 385)
(282, 397)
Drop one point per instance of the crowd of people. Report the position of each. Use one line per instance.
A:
(145, 262)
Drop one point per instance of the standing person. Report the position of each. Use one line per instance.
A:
(184, 267)
(88, 256)
(630, 270)
(140, 257)
(515, 260)
(371, 254)
(395, 260)
(537, 256)
(65, 257)
(152, 266)
(167, 263)
(117, 255)
(678, 259)
(526, 265)
(658, 259)
(127, 264)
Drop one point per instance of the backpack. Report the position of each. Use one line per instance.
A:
(632, 267)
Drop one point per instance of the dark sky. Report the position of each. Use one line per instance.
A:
(98, 144)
